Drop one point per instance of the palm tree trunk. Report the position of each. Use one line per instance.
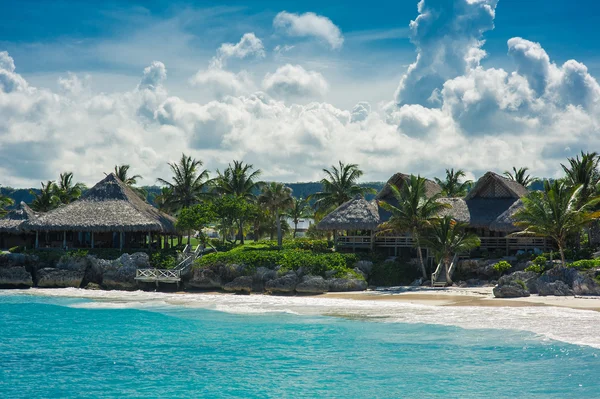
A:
(279, 236)
(420, 253)
(242, 231)
(562, 254)
(447, 270)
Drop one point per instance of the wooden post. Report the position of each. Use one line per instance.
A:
(92, 240)
(121, 241)
(37, 239)
(64, 240)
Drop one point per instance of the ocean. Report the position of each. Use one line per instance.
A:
(81, 344)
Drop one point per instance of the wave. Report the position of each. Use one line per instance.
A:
(562, 324)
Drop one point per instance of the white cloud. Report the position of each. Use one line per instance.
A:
(249, 45)
(293, 81)
(309, 25)
(154, 75)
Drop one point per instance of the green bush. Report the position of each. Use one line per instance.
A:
(502, 266)
(585, 264)
(521, 283)
(16, 250)
(164, 260)
(538, 265)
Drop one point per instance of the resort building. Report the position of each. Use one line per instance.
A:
(12, 228)
(488, 209)
(109, 215)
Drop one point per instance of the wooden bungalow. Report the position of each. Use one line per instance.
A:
(109, 215)
(12, 228)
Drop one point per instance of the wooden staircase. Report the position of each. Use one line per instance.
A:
(438, 278)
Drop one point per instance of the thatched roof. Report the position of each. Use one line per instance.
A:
(506, 222)
(14, 220)
(109, 206)
(356, 214)
(492, 185)
(431, 187)
(458, 210)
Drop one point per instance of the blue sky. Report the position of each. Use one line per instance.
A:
(332, 80)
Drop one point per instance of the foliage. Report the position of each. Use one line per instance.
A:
(452, 186)
(583, 172)
(502, 267)
(393, 273)
(47, 199)
(16, 250)
(340, 185)
(164, 259)
(520, 176)
(538, 265)
(238, 180)
(76, 254)
(277, 198)
(414, 212)
(230, 210)
(122, 173)
(65, 190)
(585, 264)
(196, 217)
(5, 201)
(299, 209)
(315, 234)
(189, 183)
(521, 283)
(556, 212)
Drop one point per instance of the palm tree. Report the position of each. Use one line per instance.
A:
(299, 209)
(46, 199)
(164, 200)
(277, 198)
(239, 180)
(121, 171)
(520, 176)
(339, 186)
(414, 212)
(447, 237)
(66, 190)
(452, 186)
(556, 212)
(583, 172)
(5, 201)
(190, 182)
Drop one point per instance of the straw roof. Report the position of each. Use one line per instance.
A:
(492, 185)
(356, 214)
(109, 206)
(13, 222)
(431, 187)
(458, 210)
(506, 222)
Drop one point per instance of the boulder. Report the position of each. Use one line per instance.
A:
(360, 273)
(204, 278)
(15, 277)
(581, 283)
(92, 286)
(364, 266)
(240, 284)
(312, 285)
(79, 263)
(8, 259)
(260, 278)
(57, 278)
(285, 284)
(120, 273)
(417, 283)
(461, 284)
(529, 278)
(556, 288)
(511, 290)
(346, 284)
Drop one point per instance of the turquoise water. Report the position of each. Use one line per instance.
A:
(51, 348)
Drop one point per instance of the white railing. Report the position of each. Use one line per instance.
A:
(436, 273)
(158, 274)
(394, 241)
(354, 240)
(453, 265)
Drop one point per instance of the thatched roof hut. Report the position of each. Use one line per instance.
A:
(109, 206)
(458, 209)
(505, 222)
(356, 214)
(431, 187)
(14, 221)
(492, 185)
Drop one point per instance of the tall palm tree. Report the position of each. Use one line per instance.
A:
(5, 201)
(277, 198)
(339, 185)
(299, 209)
(46, 199)
(447, 237)
(66, 190)
(122, 172)
(520, 176)
(238, 179)
(414, 212)
(452, 186)
(583, 172)
(190, 182)
(556, 212)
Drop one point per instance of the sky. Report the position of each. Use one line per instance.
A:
(290, 87)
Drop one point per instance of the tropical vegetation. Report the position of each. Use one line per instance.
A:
(455, 184)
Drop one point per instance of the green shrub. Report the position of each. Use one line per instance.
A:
(538, 265)
(16, 250)
(585, 264)
(164, 260)
(502, 266)
(521, 283)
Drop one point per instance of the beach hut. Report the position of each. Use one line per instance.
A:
(109, 215)
(12, 228)
(356, 220)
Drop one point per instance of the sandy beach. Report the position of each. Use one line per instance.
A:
(472, 296)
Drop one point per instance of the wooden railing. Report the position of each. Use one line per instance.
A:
(394, 241)
(359, 241)
(160, 275)
(514, 243)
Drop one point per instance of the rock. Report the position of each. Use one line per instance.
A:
(260, 278)
(511, 290)
(346, 284)
(473, 282)
(284, 284)
(330, 273)
(529, 278)
(120, 273)
(92, 286)
(556, 288)
(79, 264)
(312, 285)
(360, 273)
(57, 278)
(584, 284)
(426, 283)
(417, 283)
(15, 277)
(461, 284)
(300, 272)
(230, 271)
(240, 284)
(580, 283)
(365, 266)
(8, 259)
(204, 278)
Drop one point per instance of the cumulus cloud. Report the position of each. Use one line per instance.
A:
(293, 81)
(249, 45)
(310, 25)
(154, 75)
